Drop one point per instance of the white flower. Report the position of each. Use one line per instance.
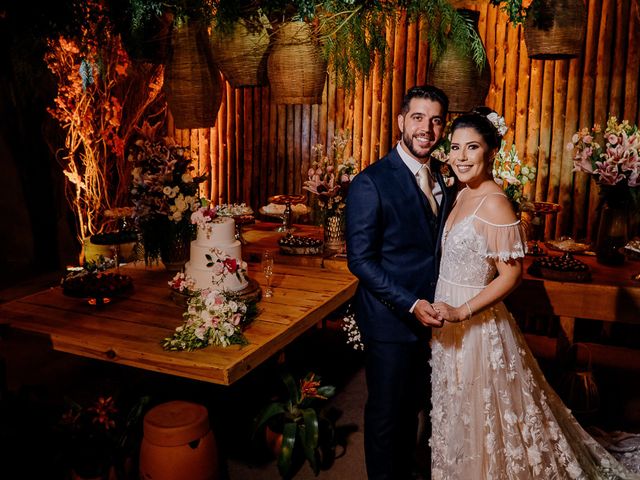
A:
(498, 122)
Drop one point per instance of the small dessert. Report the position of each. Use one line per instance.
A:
(299, 245)
(274, 209)
(563, 268)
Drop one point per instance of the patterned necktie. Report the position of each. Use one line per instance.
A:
(424, 180)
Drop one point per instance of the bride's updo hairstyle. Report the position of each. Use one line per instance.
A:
(479, 121)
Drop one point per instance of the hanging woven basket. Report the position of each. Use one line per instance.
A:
(295, 67)
(191, 80)
(241, 53)
(556, 30)
(458, 75)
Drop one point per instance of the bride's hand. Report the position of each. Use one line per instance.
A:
(449, 313)
(425, 313)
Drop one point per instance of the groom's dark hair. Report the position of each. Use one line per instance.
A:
(428, 92)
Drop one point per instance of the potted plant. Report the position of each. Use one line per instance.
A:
(100, 440)
(296, 428)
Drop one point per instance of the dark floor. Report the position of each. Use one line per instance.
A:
(39, 381)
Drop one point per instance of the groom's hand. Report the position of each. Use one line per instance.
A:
(427, 315)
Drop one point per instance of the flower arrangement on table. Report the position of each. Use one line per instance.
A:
(213, 317)
(612, 157)
(509, 173)
(164, 192)
(330, 175)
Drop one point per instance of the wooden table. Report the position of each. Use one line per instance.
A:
(610, 296)
(129, 330)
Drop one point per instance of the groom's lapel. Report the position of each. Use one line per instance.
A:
(445, 204)
(408, 188)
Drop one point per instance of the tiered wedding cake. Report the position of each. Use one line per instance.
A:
(216, 255)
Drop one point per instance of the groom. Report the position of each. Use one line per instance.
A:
(395, 215)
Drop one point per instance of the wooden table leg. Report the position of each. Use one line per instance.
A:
(565, 338)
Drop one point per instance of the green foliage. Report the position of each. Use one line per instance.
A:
(518, 13)
(353, 32)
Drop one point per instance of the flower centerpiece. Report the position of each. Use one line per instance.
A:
(328, 179)
(213, 317)
(164, 192)
(296, 428)
(509, 173)
(612, 157)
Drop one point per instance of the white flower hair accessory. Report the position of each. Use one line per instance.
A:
(498, 122)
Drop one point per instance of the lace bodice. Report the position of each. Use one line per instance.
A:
(471, 248)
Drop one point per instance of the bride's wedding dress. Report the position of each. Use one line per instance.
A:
(494, 415)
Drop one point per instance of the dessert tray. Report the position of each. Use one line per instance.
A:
(632, 249)
(567, 245)
(97, 287)
(299, 245)
(562, 268)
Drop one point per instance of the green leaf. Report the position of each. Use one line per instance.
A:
(311, 429)
(292, 387)
(327, 391)
(288, 443)
(267, 414)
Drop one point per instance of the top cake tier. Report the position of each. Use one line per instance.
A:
(220, 231)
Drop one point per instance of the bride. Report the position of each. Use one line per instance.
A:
(494, 415)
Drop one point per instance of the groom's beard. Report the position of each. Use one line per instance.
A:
(421, 152)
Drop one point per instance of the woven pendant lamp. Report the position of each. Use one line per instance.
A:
(295, 66)
(191, 80)
(241, 53)
(557, 31)
(458, 75)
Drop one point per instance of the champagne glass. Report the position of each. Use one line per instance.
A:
(267, 269)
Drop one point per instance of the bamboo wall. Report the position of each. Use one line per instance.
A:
(257, 148)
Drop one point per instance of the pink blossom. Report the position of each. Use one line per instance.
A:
(608, 173)
(218, 268)
(236, 319)
(612, 139)
(587, 139)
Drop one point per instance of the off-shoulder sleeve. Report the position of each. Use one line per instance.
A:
(501, 242)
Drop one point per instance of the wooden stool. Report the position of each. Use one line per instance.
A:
(178, 443)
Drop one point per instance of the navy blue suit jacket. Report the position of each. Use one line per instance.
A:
(393, 247)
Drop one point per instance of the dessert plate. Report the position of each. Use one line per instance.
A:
(568, 245)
